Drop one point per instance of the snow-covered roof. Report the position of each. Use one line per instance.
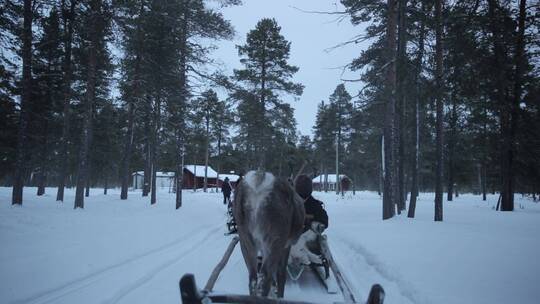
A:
(198, 171)
(331, 178)
(232, 177)
(158, 174)
(165, 174)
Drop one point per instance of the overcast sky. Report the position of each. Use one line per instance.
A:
(310, 35)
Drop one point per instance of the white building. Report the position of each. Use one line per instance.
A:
(163, 179)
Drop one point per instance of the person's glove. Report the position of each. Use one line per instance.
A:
(317, 227)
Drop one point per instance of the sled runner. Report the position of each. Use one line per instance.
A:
(307, 254)
(191, 294)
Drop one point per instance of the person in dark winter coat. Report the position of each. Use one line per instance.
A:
(226, 189)
(316, 216)
(307, 249)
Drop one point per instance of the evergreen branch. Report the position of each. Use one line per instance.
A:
(319, 12)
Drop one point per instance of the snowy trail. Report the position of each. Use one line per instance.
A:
(234, 278)
(130, 252)
(148, 275)
(147, 265)
(364, 269)
(153, 274)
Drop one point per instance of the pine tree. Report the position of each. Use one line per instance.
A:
(340, 105)
(220, 126)
(26, 51)
(95, 52)
(416, 110)
(439, 109)
(68, 18)
(131, 22)
(197, 21)
(163, 51)
(8, 89)
(324, 138)
(401, 83)
(266, 74)
(48, 88)
(389, 199)
(206, 107)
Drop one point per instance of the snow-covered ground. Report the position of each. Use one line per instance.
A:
(131, 252)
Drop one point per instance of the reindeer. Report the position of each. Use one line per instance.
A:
(270, 218)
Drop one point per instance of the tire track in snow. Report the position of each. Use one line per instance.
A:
(406, 289)
(91, 278)
(129, 288)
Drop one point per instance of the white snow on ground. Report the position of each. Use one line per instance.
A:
(117, 251)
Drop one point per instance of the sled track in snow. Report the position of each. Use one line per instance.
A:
(405, 289)
(80, 283)
(127, 289)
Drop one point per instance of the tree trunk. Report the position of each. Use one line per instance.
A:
(381, 180)
(325, 180)
(83, 173)
(439, 109)
(155, 143)
(262, 146)
(389, 199)
(218, 160)
(507, 194)
(44, 159)
(127, 153)
(179, 170)
(153, 194)
(207, 152)
(87, 191)
(451, 150)
(416, 120)
(484, 182)
(89, 162)
(68, 18)
(42, 177)
(20, 162)
(126, 158)
(148, 150)
(182, 101)
(508, 205)
(195, 176)
(337, 164)
(106, 184)
(401, 81)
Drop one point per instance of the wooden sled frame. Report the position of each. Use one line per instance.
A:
(190, 294)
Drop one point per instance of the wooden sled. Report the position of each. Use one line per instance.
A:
(191, 294)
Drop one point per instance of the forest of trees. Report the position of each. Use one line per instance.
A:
(93, 90)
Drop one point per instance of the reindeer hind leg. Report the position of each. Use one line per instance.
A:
(281, 276)
(250, 258)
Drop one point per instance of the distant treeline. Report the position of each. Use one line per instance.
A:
(93, 90)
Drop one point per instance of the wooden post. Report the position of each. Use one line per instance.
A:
(219, 267)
